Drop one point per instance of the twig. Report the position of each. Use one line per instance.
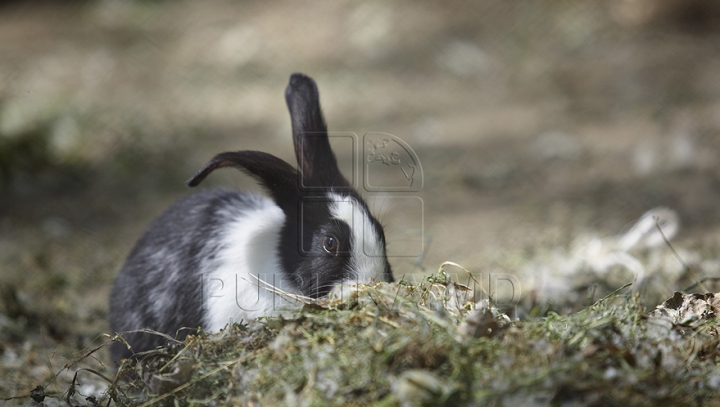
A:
(713, 279)
(677, 256)
(273, 289)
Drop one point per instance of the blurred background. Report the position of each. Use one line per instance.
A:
(544, 129)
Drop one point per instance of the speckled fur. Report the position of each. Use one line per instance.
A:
(164, 266)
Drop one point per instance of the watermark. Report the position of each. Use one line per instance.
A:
(275, 292)
(389, 174)
(385, 163)
(390, 164)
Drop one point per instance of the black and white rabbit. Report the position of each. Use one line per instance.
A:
(193, 267)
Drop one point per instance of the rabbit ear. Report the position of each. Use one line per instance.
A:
(312, 148)
(277, 176)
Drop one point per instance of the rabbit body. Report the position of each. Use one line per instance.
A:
(196, 264)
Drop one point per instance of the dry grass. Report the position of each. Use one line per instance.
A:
(398, 344)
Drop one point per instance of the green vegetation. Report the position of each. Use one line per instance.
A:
(398, 344)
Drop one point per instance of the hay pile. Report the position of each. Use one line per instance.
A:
(430, 344)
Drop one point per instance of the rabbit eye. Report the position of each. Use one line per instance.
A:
(331, 244)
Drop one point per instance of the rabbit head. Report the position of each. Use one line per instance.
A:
(329, 236)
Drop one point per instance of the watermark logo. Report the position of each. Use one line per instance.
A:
(389, 174)
(257, 293)
(390, 164)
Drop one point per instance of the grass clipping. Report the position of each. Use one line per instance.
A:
(430, 344)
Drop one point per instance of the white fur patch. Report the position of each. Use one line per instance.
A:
(367, 260)
(248, 246)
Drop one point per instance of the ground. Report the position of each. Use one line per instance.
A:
(542, 128)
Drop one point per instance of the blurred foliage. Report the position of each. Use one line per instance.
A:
(26, 152)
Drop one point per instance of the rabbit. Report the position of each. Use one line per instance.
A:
(194, 266)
